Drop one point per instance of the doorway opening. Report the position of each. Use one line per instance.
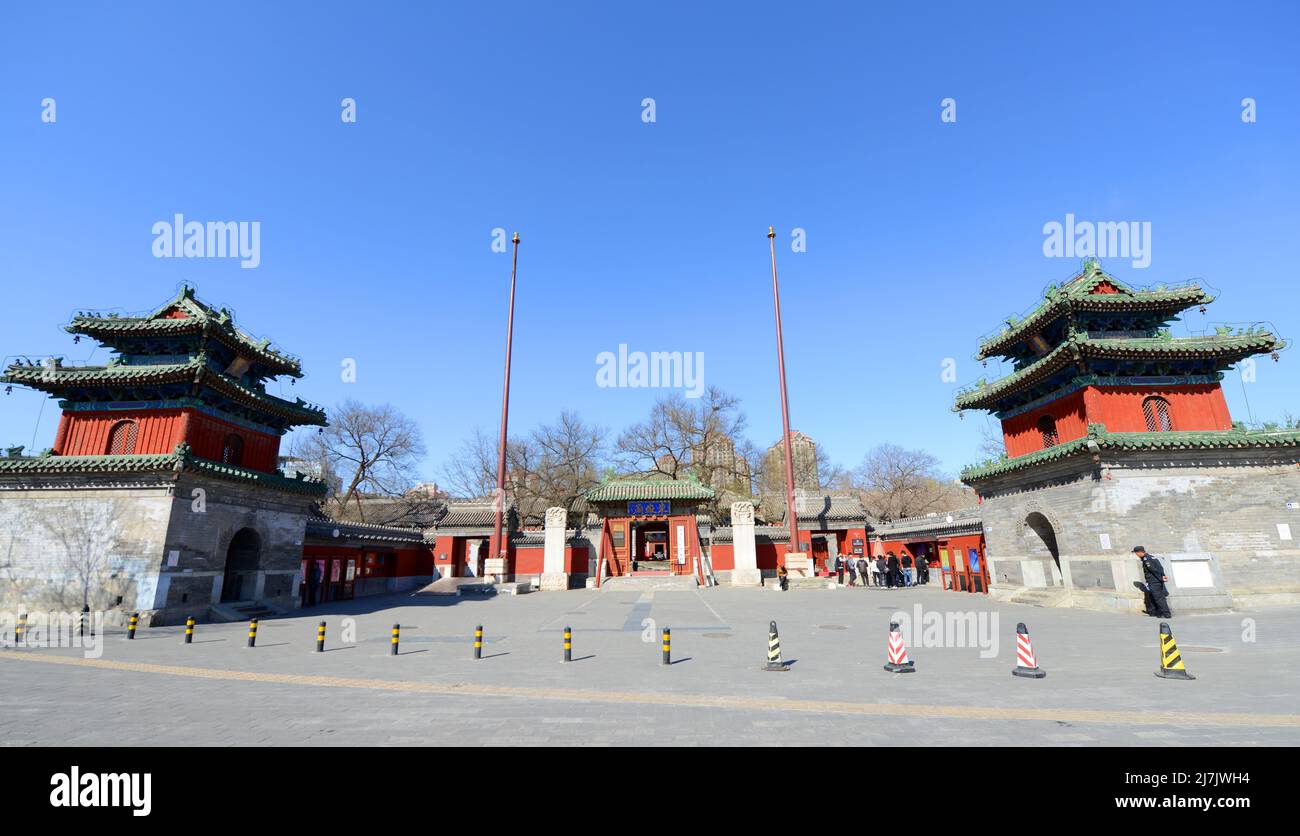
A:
(243, 558)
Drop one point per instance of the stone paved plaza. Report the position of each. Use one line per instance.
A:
(1100, 687)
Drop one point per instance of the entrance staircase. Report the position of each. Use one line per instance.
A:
(650, 580)
(243, 611)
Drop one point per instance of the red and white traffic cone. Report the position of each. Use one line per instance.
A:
(898, 661)
(1026, 661)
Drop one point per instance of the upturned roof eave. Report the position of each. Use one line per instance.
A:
(1228, 347)
(1103, 440)
(1174, 301)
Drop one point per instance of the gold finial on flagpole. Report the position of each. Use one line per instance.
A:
(771, 232)
(516, 238)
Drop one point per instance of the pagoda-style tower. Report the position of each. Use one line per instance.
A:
(161, 493)
(1117, 434)
(182, 375)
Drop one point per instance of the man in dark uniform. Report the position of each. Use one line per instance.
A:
(1157, 596)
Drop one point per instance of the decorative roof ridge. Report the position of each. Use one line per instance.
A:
(180, 459)
(1077, 292)
(222, 318)
(1079, 344)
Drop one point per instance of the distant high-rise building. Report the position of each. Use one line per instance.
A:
(805, 465)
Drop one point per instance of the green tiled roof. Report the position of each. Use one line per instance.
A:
(1227, 347)
(54, 378)
(1196, 440)
(636, 489)
(200, 318)
(1077, 294)
(180, 460)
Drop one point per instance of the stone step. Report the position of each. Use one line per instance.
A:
(643, 582)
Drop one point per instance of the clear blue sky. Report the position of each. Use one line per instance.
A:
(376, 236)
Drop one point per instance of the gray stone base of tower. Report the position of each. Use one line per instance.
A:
(164, 545)
(1223, 522)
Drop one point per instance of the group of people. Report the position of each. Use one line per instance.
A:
(889, 571)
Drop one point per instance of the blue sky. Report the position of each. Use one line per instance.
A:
(376, 236)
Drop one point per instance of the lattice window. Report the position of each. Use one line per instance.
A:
(1156, 411)
(1047, 426)
(121, 438)
(232, 450)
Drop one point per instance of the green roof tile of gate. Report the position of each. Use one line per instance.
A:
(635, 489)
(1077, 294)
(1195, 440)
(984, 396)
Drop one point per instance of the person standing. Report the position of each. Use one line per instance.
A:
(1157, 594)
(907, 569)
(879, 564)
(852, 568)
(893, 576)
(783, 577)
(864, 571)
(839, 568)
(313, 583)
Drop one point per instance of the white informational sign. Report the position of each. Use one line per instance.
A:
(1105, 542)
(681, 545)
(1284, 531)
(173, 559)
(1193, 574)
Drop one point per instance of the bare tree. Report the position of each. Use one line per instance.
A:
(691, 438)
(85, 534)
(550, 467)
(895, 483)
(571, 458)
(373, 450)
(992, 445)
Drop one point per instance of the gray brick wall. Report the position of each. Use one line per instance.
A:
(1213, 519)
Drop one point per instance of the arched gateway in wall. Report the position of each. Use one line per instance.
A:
(243, 559)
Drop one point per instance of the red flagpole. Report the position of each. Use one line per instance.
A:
(791, 511)
(498, 546)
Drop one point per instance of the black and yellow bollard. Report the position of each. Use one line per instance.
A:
(189, 630)
(568, 644)
(20, 630)
(397, 630)
(668, 646)
(131, 625)
(320, 638)
(1171, 661)
(252, 633)
(478, 642)
(774, 662)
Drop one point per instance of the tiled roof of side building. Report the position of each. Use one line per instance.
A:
(473, 513)
(636, 489)
(961, 520)
(762, 534)
(832, 506)
(324, 527)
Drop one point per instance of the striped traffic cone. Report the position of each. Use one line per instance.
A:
(774, 662)
(1026, 661)
(898, 661)
(1171, 661)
